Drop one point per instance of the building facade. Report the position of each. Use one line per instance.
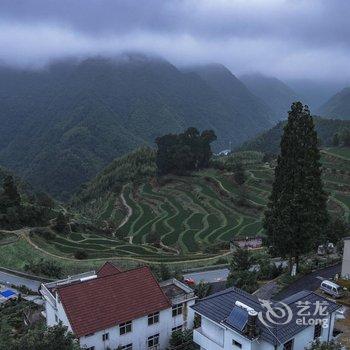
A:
(345, 269)
(232, 320)
(127, 310)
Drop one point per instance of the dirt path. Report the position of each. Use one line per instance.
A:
(128, 208)
(24, 234)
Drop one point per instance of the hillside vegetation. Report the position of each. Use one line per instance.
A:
(338, 106)
(63, 124)
(275, 93)
(175, 218)
(269, 141)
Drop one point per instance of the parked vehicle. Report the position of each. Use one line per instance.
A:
(332, 289)
(190, 281)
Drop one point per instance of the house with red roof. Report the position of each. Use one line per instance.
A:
(111, 309)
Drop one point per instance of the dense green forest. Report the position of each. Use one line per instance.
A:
(20, 206)
(61, 125)
(269, 141)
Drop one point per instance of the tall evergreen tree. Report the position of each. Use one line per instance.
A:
(296, 217)
(336, 140)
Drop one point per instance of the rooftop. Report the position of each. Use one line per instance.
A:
(106, 299)
(220, 306)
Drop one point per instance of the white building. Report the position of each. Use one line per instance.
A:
(345, 269)
(112, 309)
(231, 320)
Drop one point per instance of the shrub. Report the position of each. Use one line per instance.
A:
(43, 232)
(44, 267)
(80, 254)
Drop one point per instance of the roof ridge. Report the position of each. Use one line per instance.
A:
(100, 277)
(306, 293)
(233, 289)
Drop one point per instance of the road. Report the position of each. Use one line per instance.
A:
(11, 279)
(219, 275)
(309, 282)
(211, 276)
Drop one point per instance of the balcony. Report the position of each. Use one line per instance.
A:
(203, 341)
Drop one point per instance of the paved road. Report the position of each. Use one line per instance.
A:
(209, 276)
(9, 279)
(309, 282)
(219, 275)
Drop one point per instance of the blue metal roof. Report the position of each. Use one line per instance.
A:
(220, 306)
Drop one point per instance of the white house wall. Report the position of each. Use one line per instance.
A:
(345, 270)
(140, 328)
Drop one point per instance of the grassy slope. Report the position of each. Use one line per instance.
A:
(190, 214)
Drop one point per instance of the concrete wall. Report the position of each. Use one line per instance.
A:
(345, 270)
(140, 329)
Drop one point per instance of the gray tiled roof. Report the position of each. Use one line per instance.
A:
(217, 308)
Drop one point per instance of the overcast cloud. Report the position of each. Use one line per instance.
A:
(285, 38)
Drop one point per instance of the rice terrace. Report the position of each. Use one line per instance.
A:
(189, 218)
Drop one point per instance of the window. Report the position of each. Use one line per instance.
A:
(91, 348)
(317, 331)
(56, 318)
(236, 344)
(105, 336)
(153, 342)
(125, 327)
(153, 318)
(175, 329)
(126, 347)
(177, 309)
(288, 345)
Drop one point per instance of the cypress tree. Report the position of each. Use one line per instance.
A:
(336, 140)
(296, 218)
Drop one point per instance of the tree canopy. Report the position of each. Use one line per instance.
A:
(181, 153)
(296, 218)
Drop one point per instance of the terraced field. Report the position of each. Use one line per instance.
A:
(193, 217)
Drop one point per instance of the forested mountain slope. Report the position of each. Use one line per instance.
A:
(61, 125)
(275, 93)
(269, 141)
(237, 94)
(338, 106)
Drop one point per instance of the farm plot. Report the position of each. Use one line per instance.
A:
(183, 218)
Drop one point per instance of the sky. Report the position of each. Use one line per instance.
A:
(289, 39)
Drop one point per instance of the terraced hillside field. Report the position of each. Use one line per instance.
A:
(193, 217)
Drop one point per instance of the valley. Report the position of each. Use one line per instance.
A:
(181, 220)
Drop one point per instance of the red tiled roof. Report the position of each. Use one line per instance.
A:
(107, 269)
(107, 301)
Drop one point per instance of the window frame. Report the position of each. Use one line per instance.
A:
(153, 318)
(236, 344)
(152, 339)
(126, 347)
(125, 327)
(177, 309)
(177, 328)
(317, 331)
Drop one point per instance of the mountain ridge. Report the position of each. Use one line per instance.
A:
(65, 123)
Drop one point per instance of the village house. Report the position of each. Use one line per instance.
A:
(233, 319)
(112, 309)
